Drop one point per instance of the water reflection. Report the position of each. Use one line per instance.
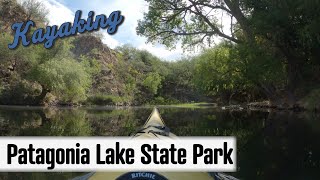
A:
(271, 145)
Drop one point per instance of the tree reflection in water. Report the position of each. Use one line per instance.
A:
(270, 144)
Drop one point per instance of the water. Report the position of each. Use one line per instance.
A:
(271, 145)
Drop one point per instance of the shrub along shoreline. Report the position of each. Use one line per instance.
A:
(81, 70)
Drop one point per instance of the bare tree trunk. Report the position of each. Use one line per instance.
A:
(234, 7)
(230, 97)
(294, 79)
(271, 92)
(293, 72)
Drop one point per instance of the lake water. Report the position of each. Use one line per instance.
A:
(271, 145)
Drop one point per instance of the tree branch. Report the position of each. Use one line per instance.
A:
(214, 28)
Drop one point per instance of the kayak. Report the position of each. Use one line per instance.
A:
(154, 127)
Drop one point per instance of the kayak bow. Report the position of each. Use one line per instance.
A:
(155, 127)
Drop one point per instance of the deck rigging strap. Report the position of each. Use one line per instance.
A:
(164, 131)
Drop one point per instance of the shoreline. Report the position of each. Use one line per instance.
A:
(253, 106)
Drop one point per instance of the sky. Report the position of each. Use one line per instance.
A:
(61, 11)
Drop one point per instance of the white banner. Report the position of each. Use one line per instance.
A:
(82, 154)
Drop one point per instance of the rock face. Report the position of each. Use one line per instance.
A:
(10, 12)
(92, 47)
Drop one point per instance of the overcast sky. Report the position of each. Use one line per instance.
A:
(61, 11)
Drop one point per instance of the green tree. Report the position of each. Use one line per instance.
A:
(192, 22)
(285, 32)
(216, 72)
(178, 84)
(152, 82)
(66, 78)
(291, 27)
(232, 69)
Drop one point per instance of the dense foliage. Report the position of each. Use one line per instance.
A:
(150, 80)
(29, 74)
(83, 70)
(274, 44)
(269, 50)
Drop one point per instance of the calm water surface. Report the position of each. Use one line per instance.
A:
(271, 145)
